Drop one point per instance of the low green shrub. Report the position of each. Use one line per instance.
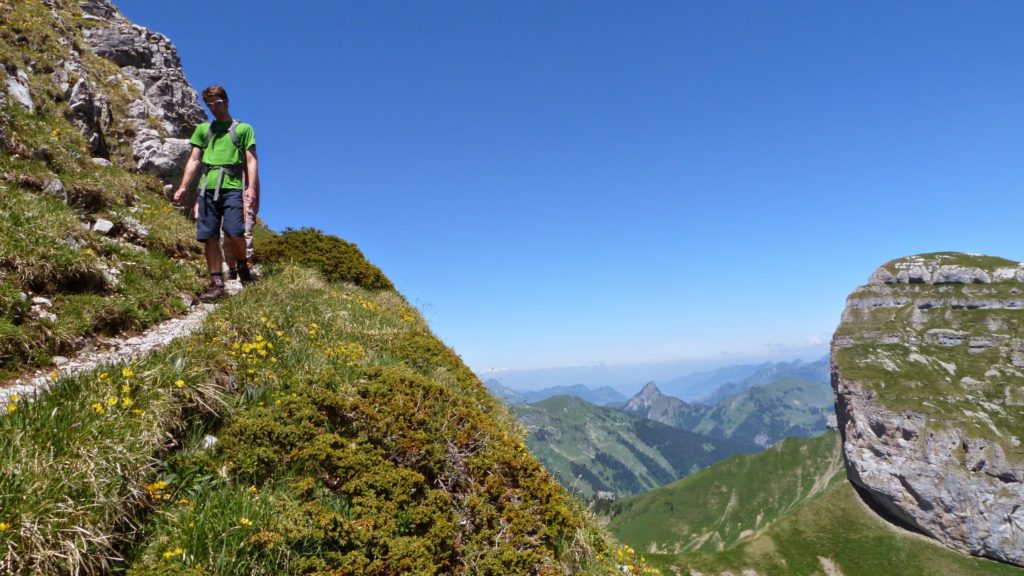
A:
(336, 259)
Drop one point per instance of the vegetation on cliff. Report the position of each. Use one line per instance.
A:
(51, 195)
(936, 347)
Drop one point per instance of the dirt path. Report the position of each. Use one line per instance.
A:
(116, 349)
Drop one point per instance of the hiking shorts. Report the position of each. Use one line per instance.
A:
(225, 213)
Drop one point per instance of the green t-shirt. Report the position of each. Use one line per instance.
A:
(222, 151)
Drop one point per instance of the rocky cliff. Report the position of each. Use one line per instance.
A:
(135, 92)
(928, 372)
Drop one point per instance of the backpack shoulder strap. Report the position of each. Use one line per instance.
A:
(232, 131)
(209, 135)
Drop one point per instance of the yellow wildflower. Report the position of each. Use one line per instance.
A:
(127, 402)
(104, 376)
(179, 383)
(244, 522)
(112, 401)
(127, 372)
(253, 490)
(126, 389)
(98, 407)
(4, 526)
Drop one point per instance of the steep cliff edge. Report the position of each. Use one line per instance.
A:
(928, 371)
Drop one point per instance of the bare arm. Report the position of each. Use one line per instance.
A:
(191, 167)
(252, 180)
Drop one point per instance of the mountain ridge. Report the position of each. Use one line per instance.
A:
(309, 426)
(600, 451)
(761, 414)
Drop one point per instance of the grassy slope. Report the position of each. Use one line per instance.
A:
(839, 528)
(351, 441)
(809, 511)
(97, 285)
(590, 448)
(716, 508)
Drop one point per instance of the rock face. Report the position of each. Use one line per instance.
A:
(161, 108)
(928, 373)
(150, 62)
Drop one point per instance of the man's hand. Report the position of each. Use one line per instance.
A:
(178, 195)
(250, 199)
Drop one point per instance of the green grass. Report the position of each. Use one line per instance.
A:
(838, 528)
(350, 441)
(987, 263)
(718, 507)
(45, 246)
(777, 512)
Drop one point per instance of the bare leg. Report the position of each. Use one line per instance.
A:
(213, 256)
(237, 248)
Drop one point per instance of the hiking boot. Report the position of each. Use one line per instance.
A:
(213, 292)
(232, 274)
(246, 276)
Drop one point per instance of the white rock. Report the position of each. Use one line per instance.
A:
(17, 87)
(102, 226)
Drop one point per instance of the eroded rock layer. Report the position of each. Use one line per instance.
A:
(928, 371)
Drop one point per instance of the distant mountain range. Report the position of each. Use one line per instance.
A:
(773, 402)
(653, 439)
(600, 396)
(765, 374)
(592, 449)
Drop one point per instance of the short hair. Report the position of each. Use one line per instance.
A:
(216, 91)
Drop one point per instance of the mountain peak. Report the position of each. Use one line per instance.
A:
(645, 398)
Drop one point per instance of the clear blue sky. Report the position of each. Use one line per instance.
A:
(578, 182)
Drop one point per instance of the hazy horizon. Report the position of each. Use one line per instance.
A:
(628, 378)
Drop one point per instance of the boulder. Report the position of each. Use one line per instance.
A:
(932, 421)
(17, 88)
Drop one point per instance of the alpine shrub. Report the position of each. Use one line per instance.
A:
(336, 259)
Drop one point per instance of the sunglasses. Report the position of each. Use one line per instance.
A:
(215, 103)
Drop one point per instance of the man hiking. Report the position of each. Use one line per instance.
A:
(224, 152)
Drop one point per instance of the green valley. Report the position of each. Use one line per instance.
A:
(787, 510)
(592, 449)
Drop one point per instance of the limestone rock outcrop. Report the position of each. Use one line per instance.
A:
(149, 61)
(156, 106)
(928, 373)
